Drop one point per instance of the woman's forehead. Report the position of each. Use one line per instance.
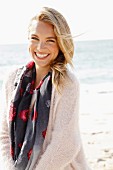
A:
(41, 27)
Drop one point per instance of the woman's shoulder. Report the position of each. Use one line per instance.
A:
(70, 84)
(11, 76)
(10, 79)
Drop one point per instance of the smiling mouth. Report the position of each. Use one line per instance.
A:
(41, 56)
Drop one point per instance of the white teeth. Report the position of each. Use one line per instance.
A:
(41, 55)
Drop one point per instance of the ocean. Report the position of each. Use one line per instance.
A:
(93, 62)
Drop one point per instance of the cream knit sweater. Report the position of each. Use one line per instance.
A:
(62, 148)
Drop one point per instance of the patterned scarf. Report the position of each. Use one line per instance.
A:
(24, 125)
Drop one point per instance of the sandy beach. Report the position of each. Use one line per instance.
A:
(96, 124)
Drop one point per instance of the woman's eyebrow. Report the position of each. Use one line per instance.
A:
(51, 37)
(34, 35)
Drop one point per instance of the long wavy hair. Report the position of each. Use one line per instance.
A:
(65, 42)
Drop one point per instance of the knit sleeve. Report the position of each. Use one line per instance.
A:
(6, 162)
(65, 143)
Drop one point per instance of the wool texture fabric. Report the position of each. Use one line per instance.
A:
(25, 124)
(62, 147)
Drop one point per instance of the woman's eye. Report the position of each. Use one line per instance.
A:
(34, 38)
(51, 41)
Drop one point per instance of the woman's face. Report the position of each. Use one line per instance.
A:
(43, 46)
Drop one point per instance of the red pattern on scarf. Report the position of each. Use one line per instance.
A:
(29, 153)
(30, 65)
(21, 91)
(20, 145)
(24, 114)
(12, 113)
(12, 151)
(44, 133)
(35, 115)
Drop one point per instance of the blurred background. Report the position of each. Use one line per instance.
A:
(91, 25)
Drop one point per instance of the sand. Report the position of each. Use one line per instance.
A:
(96, 125)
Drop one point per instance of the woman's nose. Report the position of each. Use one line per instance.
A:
(40, 46)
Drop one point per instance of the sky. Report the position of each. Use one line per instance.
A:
(88, 19)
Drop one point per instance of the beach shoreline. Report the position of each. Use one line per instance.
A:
(96, 125)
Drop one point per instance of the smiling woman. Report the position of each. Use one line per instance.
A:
(39, 125)
(43, 47)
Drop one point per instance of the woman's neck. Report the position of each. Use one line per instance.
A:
(40, 74)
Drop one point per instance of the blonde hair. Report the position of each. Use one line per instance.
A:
(65, 42)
